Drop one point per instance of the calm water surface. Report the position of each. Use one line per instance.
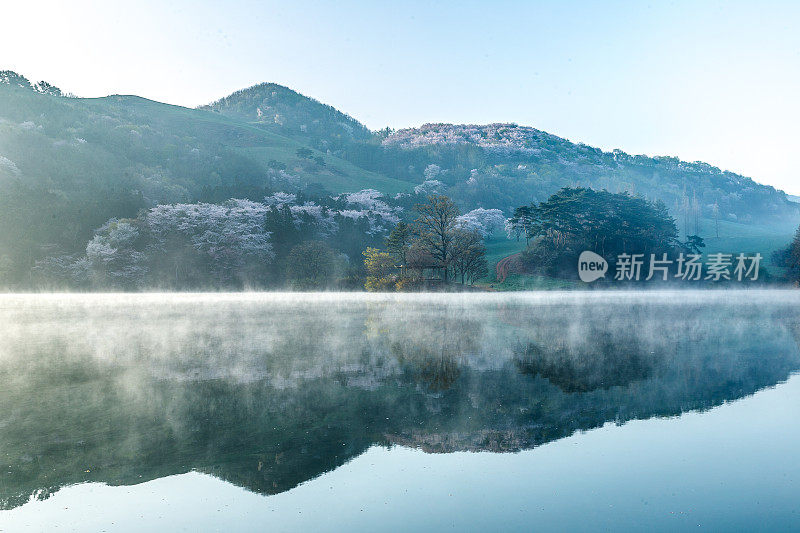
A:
(558, 411)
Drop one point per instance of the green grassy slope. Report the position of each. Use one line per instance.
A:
(336, 176)
(67, 165)
(498, 247)
(733, 238)
(745, 238)
(169, 152)
(261, 145)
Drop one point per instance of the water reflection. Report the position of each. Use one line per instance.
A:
(267, 392)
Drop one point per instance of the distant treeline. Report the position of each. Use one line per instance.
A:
(638, 239)
(284, 241)
(69, 165)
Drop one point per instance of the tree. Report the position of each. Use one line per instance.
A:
(715, 212)
(695, 209)
(311, 265)
(435, 229)
(484, 221)
(794, 254)
(432, 172)
(47, 88)
(429, 187)
(380, 268)
(686, 206)
(577, 219)
(419, 259)
(9, 77)
(227, 236)
(304, 153)
(113, 257)
(398, 242)
(521, 223)
(694, 243)
(789, 258)
(469, 256)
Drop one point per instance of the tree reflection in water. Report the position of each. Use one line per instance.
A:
(604, 359)
(269, 391)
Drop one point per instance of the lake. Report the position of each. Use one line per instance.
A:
(670, 410)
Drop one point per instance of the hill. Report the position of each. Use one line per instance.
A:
(69, 165)
(280, 109)
(170, 152)
(501, 163)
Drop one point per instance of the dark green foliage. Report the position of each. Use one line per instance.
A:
(398, 242)
(578, 219)
(522, 222)
(311, 266)
(282, 110)
(271, 393)
(68, 165)
(789, 258)
(694, 244)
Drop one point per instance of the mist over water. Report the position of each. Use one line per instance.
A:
(267, 391)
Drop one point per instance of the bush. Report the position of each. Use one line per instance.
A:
(311, 265)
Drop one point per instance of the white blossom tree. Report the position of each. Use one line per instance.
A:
(113, 258)
(228, 234)
(483, 221)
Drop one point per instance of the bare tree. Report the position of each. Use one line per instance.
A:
(469, 256)
(435, 229)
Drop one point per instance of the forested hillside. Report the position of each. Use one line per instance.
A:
(280, 109)
(72, 168)
(498, 163)
(67, 165)
(494, 165)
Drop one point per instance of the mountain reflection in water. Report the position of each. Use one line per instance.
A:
(268, 391)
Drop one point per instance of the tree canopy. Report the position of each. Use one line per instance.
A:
(439, 239)
(577, 219)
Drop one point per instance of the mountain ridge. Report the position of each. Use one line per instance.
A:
(461, 133)
(69, 164)
(537, 153)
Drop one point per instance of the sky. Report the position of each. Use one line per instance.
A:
(710, 81)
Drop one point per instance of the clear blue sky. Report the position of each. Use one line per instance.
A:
(711, 81)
